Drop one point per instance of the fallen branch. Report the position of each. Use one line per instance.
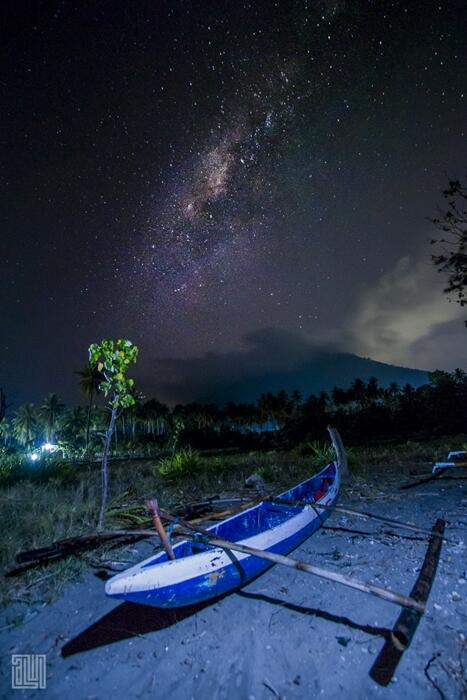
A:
(72, 545)
(422, 481)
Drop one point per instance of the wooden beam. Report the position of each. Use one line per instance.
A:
(402, 634)
(340, 452)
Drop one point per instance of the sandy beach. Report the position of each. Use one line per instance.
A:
(287, 634)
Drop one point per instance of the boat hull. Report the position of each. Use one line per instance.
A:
(212, 571)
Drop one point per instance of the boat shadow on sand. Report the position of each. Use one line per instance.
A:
(134, 620)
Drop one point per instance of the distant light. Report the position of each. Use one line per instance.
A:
(33, 456)
(48, 447)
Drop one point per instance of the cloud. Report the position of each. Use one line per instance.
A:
(407, 320)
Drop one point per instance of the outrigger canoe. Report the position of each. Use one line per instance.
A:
(202, 571)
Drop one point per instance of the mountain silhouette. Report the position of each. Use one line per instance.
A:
(273, 360)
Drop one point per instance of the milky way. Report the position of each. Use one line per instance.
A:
(188, 173)
(214, 219)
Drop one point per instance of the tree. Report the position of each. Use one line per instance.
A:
(6, 431)
(452, 258)
(3, 405)
(73, 424)
(25, 425)
(50, 411)
(112, 359)
(90, 378)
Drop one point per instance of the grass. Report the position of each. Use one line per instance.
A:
(63, 502)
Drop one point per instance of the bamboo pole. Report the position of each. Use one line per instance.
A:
(385, 594)
(365, 516)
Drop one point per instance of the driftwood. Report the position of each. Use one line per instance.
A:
(340, 452)
(386, 663)
(72, 545)
(75, 545)
(422, 481)
(385, 594)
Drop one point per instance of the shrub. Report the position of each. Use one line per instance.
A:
(50, 468)
(184, 462)
(320, 454)
(11, 466)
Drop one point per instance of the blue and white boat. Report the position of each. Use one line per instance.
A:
(201, 571)
(455, 459)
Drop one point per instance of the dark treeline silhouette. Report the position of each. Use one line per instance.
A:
(363, 412)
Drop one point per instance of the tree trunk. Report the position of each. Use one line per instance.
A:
(88, 421)
(104, 468)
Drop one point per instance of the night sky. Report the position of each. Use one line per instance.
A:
(237, 178)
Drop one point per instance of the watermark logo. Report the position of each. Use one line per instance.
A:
(28, 671)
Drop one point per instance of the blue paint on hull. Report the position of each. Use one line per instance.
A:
(201, 588)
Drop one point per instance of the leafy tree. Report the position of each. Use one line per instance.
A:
(452, 256)
(112, 359)
(50, 411)
(90, 378)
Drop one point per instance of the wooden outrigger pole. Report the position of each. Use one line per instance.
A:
(385, 594)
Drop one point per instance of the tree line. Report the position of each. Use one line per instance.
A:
(363, 411)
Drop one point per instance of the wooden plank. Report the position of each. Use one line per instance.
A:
(402, 634)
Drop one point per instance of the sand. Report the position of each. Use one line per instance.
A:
(287, 634)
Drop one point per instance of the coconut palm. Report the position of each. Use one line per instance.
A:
(90, 379)
(25, 424)
(74, 423)
(6, 431)
(49, 413)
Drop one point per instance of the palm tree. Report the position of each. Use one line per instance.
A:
(90, 379)
(74, 422)
(25, 424)
(373, 392)
(50, 411)
(6, 431)
(357, 391)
